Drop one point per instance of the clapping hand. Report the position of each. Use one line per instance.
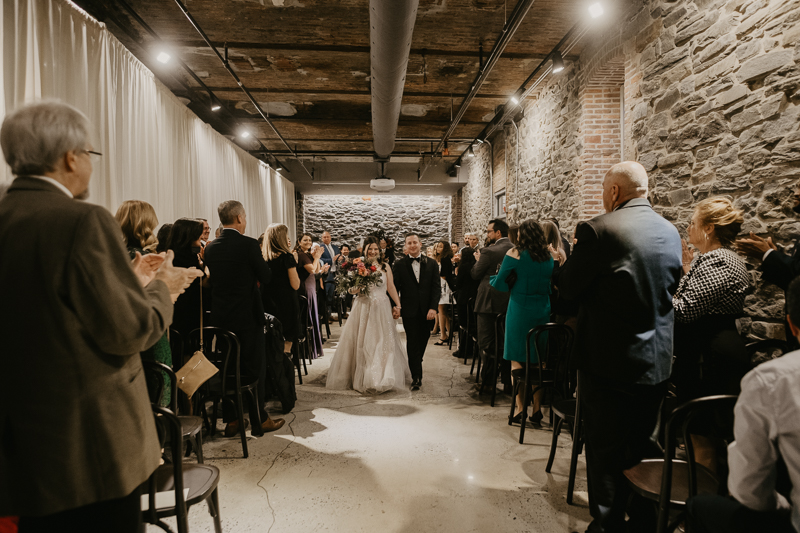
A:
(146, 266)
(326, 268)
(318, 251)
(457, 258)
(687, 255)
(477, 255)
(558, 255)
(755, 246)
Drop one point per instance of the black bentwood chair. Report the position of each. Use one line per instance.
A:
(567, 409)
(191, 426)
(671, 482)
(222, 348)
(200, 480)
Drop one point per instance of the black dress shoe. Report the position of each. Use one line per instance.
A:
(415, 383)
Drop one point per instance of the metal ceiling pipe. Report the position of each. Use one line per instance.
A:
(391, 29)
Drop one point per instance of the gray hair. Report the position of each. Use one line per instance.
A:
(35, 136)
(229, 210)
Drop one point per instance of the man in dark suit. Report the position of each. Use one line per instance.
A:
(416, 278)
(329, 257)
(466, 286)
(236, 266)
(77, 437)
(490, 302)
(778, 267)
(623, 272)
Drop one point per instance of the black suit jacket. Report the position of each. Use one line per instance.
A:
(780, 268)
(489, 299)
(417, 298)
(236, 264)
(623, 272)
(466, 286)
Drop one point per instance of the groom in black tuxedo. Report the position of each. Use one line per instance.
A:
(416, 278)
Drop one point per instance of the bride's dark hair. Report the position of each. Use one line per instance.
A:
(374, 240)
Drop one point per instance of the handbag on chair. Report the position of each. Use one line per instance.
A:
(198, 369)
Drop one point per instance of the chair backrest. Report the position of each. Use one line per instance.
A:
(678, 424)
(173, 428)
(154, 372)
(222, 348)
(553, 344)
(176, 346)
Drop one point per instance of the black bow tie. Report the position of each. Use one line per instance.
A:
(417, 259)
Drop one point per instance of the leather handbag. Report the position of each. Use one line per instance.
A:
(198, 369)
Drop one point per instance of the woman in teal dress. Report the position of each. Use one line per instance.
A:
(529, 306)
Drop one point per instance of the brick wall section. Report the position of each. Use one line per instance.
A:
(712, 107)
(456, 218)
(602, 135)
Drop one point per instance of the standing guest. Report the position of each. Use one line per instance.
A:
(329, 254)
(563, 311)
(163, 237)
(513, 232)
(184, 239)
(138, 222)
(490, 302)
(218, 231)
(454, 247)
(75, 315)
(344, 258)
(308, 266)
(236, 267)
(387, 247)
(766, 430)
(280, 296)
(564, 241)
(416, 279)
(778, 267)
(472, 240)
(623, 273)
(206, 232)
(529, 304)
(466, 289)
(443, 254)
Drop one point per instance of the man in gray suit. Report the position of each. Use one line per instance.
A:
(490, 302)
(77, 435)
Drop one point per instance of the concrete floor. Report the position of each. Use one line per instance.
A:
(437, 460)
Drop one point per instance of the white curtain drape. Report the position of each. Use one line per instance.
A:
(154, 148)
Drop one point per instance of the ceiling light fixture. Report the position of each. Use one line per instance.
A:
(516, 97)
(470, 152)
(244, 134)
(163, 57)
(215, 105)
(558, 62)
(596, 10)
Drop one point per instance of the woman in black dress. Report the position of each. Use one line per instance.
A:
(280, 296)
(183, 240)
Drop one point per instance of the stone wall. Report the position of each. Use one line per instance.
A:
(351, 218)
(476, 202)
(711, 107)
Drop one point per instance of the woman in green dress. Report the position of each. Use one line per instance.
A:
(531, 263)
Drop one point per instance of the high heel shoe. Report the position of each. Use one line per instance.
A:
(516, 419)
(536, 418)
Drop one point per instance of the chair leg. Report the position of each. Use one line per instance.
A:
(215, 417)
(524, 417)
(554, 444)
(495, 365)
(472, 352)
(240, 413)
(198, 446)
(478, 368)
(514, 392)
(213, 508)
(577, 446)
(296, 361)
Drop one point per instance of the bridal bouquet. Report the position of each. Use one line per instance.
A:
(356, 274)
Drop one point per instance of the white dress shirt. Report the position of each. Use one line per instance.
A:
(54, 182)
(767, 428)
(416, 265)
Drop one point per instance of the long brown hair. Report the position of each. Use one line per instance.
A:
(381, 256)
(138, 222)
(297, 247)
(276, 241)
(445, 253)
(531, 239)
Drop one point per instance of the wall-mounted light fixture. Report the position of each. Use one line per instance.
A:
(558, 62)
(470, 152)
(596, 10)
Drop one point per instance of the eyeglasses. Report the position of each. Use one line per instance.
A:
(92, 152)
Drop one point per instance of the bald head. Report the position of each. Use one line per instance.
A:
(624, 181)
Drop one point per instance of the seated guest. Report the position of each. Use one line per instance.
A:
(767, 432)
(280, 295)
(309, 265)
(138, 222)
(184, 239)
(236, 266)
(529, 303)
(163, 237)
(77, 437)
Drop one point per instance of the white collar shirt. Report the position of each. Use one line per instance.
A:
(767, 428)
(58, 184)
(416, 266)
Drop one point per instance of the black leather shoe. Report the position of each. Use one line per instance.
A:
(415, 384)
(536, 418)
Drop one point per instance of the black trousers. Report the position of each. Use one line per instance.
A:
(123, 515)
(711, 513)
(486, 342)
(418, 332)
(252, 344)
(619, 420)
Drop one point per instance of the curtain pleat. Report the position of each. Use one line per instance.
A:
(154, 148)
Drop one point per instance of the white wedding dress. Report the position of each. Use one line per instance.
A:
(370, 357)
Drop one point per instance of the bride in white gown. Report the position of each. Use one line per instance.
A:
(370, 357)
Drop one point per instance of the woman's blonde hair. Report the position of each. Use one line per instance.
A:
(552, 234)
(138, 221)
(726, 219)
(276, 241)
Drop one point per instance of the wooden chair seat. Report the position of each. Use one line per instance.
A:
(190, 425)
(201, 480)
(645, 479)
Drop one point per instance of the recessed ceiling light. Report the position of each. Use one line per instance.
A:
(163, 57)
(596, 10)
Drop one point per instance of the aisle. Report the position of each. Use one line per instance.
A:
(439, 460)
